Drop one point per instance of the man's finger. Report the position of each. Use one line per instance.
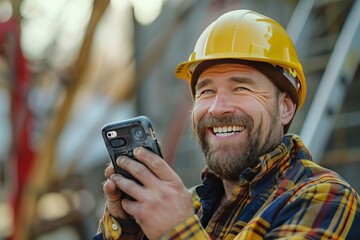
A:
(128, 186)
(109, 170)
(112, 194)
(155, 163)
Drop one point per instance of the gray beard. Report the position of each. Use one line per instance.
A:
(231, 162)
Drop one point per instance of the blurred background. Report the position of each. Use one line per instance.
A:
(68, 67)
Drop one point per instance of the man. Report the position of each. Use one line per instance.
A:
(260, 182)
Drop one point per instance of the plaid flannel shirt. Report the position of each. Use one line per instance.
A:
(286, 196)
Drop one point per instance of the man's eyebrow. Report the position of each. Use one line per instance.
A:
(202, 83)
(234, 79)
(246, 80)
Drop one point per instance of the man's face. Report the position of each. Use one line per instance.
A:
(235, 118)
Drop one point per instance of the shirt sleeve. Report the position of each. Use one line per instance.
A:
(324, 210)
(189, 229)
(111, 228)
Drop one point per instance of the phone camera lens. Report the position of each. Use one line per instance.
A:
(138, 134)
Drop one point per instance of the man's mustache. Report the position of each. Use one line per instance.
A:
(237, 120)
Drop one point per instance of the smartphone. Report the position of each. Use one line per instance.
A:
(121, 138)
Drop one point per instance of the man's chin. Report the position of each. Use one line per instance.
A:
(223, 163)
(226, 176)
(227, 150)
(230, 147)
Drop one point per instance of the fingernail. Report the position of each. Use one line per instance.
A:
(114, 177)
(137, 151)
(120, 160)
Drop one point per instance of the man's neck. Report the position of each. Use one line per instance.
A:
(228, 189)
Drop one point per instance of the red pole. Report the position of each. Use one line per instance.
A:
(21, 153)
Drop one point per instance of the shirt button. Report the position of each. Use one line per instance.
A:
(114, 227)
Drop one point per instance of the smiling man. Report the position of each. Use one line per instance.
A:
(259, 182)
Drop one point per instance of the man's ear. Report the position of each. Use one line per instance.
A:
(287, 108)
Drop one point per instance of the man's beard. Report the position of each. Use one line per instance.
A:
(232, 160)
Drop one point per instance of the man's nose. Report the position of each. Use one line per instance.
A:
(221, 105)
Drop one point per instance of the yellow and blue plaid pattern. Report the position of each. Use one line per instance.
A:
(285, 196)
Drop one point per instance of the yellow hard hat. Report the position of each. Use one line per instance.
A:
(253, 38)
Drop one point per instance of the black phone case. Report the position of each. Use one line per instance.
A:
(126, 140)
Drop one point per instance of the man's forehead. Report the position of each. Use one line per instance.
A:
(232, 72)
(228, 67)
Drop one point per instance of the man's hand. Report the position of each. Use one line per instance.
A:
(160, 204)
(113, 196)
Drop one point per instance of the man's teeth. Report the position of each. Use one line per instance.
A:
(227, 130)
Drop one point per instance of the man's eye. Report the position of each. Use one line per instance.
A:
(239, 89)
(207, 91)
(204, 92)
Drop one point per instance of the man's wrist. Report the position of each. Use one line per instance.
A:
(112, 228)
(129, 226)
